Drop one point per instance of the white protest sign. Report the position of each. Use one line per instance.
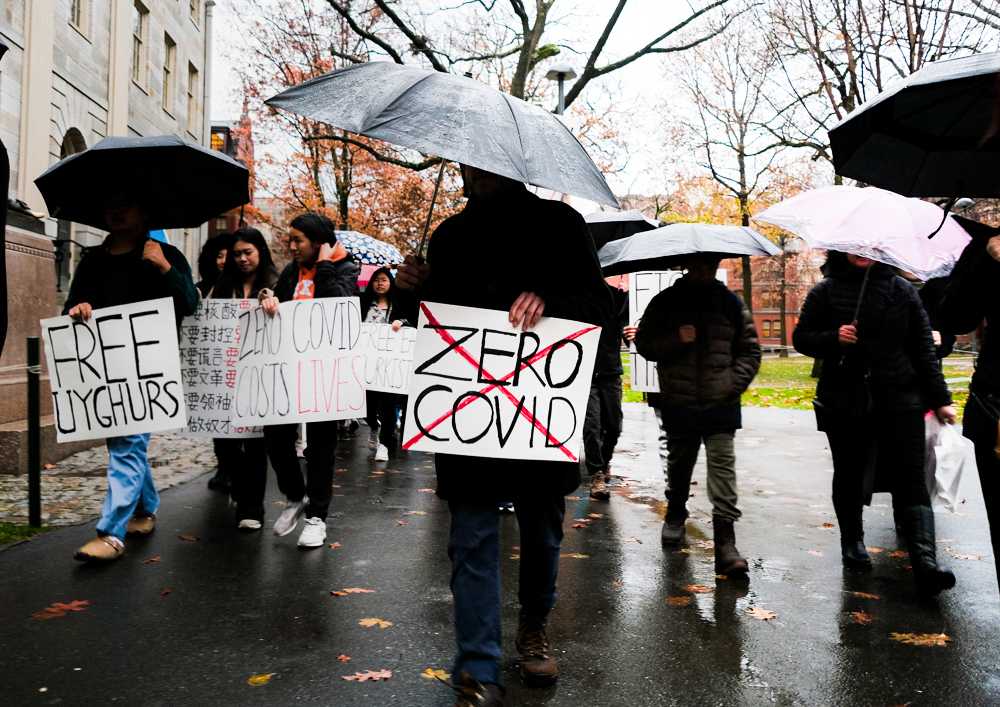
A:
(117, 373)
(210, 348)
(304, 364)
(484, 389)
(388, 357)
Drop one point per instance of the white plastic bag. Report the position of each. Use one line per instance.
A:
(950, 458)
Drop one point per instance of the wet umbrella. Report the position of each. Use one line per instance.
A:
(873, 223)
(178, 184)
(665, 247)
(368, 250)
(934, 133)
(607, 226)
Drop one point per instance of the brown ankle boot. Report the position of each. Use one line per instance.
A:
(470, 692)
(728, 560)
(538, 667)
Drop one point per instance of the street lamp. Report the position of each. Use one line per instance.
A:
(560, 73)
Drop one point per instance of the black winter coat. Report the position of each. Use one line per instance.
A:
(701, 382)
(486, 256)
(608, 363)
(339, 279)
(895, 351)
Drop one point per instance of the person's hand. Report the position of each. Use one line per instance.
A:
(526, 311)
(993, 247)
(153, 253)
(936, 337)
(397, 325)
(687, 334)
(629, 332)
(847, 334)
(947, 414)
(270, 305)
(325, 252)
(412, 273)
(81, 312)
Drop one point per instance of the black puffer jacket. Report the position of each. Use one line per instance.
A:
(333, 279)
(700, 382)
(608, 363)
(895, 350)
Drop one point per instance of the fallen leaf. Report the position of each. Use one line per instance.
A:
(402, 522)
(875, 550)
(865, 595)
(697, 589)
(151, 560)
(861, 617)
(573, 498)
(617, 584)
(897, 554)
(59, 609)
(259, 679)
(373, 675)
(761, 614)
(344, 658)
(575, 555)
(595, 515)
(515, 557)
(958, 556)
(334, 546)
(415, 513)
(369, 623)
(678, 601)
(425, 490)
(633, 540)
(188, 538)
(47, 467)
(815, 553)
(827, 525)
(582, 520)
(166, 591)
(336, 593)
(580, 525)
(922, 639)
(435, 674)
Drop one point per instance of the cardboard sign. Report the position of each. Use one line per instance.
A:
(304, 364)
(482, 388)
(117, 373)
(210, 348)
(388, 357)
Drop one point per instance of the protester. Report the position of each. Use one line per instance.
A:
(705, 347)
(549, 267)
(972, 296)
(127, 267)
(380, 305)
(879, 375)
(320, 267)
(602, 425)
(248, 271)
(655, 404)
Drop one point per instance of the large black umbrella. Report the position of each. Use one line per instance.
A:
(933, 134)
(607, 226)
(178, 184)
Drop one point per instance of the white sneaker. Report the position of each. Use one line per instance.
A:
(314, 533)
(250, 524)
(382, 453)
(289, 517)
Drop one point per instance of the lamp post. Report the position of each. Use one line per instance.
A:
(560, 73)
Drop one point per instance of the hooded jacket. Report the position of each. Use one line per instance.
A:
(333, 279)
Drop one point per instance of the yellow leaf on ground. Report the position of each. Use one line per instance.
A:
(875, 550)
(861, 617)
(259, 679)
(337, 593)
(678, 601)
(697, 589)
(761, 614)
(357, 590)
(373, 675)
(575, 555)
(865, 595)
(435, 674)
(343, 658)
(921, 639)
(368, 623)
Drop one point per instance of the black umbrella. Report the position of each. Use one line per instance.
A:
(933, 134)
(178, 184)
(607, 226)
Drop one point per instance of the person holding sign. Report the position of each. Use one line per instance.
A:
(532, 257)
(706, 351)
(380, 305)
(248, 271)
(127, 267)
(321, 267)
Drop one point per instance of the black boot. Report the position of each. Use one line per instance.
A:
(728, 560)
(674, 533)
(931, 577)
(852, 539)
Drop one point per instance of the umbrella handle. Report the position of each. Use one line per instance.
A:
(861, 294)
(430, 211)
(947, 211)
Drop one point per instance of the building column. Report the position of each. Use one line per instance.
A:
(36, 101)
(120, 66)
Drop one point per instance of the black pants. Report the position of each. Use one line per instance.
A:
(893, 442)
(245, 461)
(603, 424)
(320, 450)
(383, 412)
(981, 427)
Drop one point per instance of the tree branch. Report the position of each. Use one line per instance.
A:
(345, 12)
(419, 43)
(381, 157)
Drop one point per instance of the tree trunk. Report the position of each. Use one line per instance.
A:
(745, 260)
(782, 294)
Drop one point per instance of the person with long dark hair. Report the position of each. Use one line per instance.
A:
(212, 260)
(248, 271)
(879, 376)
(380, 305)
(321, 267)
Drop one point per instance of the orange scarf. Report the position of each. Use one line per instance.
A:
(305, 288)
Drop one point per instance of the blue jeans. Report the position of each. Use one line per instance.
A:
(130, 484)
(474, 549)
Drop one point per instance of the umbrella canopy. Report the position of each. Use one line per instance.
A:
(932, 134)
(663, 247)
(454, 117)
(179, 184)
(606, 226)
(873, 223)
(368, 250)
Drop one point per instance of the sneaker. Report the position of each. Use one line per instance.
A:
(141, 525)
(599, 488)
(250, 524)
(314, 533)
(538, 667)
(289, 517)
(506, 507)
(103, 548)
(382, 453)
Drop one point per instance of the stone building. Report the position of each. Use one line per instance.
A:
(76, 72)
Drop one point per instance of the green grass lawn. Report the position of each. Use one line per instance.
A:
(12, 532)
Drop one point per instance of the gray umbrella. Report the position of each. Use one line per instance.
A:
(606, 226)
(664, 247)
(933, 134)
(454, 117)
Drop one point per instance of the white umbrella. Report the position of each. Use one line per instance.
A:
(874, 223)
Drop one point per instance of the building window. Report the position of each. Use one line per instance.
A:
(169, 71)
(78, 14)
(192, 100)
(765, 327)
(140, 24)
(218, 141)
(195, 11)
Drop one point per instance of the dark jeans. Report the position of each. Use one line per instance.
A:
(981, 427)
(321, 438)
(474, 549)
(245, 460)
(602, 425)
(383, 412)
